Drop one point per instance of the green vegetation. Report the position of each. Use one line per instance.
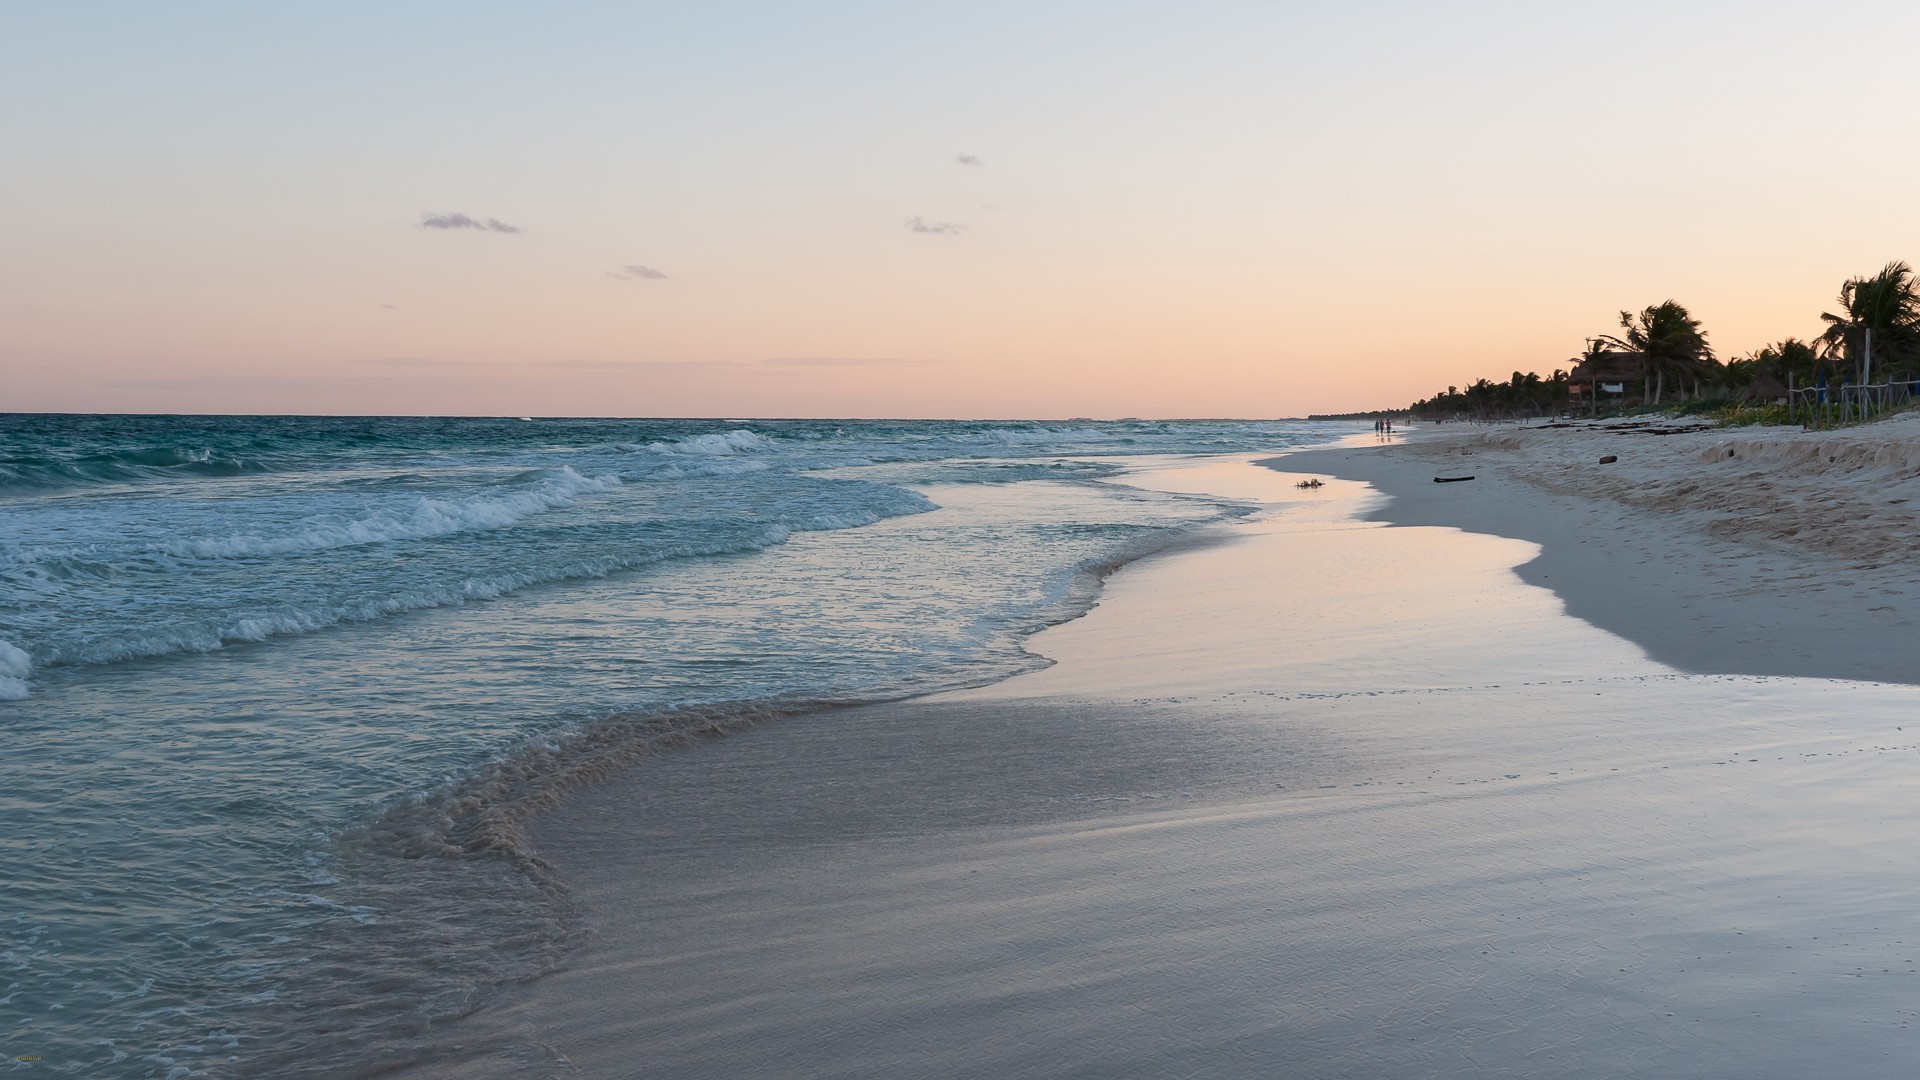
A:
(1789, 356)
(1669, 340)
(1521, 395)
(1747, 415)
(1702, 406)
(1874, 342)
(1726, 412)
(1377, 414)
(1884, 310)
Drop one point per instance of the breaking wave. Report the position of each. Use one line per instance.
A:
(29, 472)
(303, 856)
(1033, 436)
(15, 666)
(716, 444)
(208, 635)
(453, 872)
(428, 516)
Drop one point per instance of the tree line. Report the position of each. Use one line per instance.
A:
(1875, 336)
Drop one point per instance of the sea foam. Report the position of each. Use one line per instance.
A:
(731, 442)
(212, 634)
(177, 815)
(1031, 436)
(428, 516)
(15, 666)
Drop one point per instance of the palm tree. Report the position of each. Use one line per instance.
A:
(1766, 372)
(1788, 356)
(1881, 317)
(1667, 339)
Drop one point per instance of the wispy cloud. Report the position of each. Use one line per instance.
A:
(430, 220)
(622, 365)
(843, 361)
(941, 228)
(425, 366)
(419, 362)
(968, 159)
(422, 363)
(637, 273)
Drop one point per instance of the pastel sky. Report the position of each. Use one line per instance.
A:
(886, 209)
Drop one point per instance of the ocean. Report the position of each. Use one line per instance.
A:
(279, 691)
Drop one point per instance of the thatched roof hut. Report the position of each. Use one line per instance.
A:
(1764, 388)
(1609, 367)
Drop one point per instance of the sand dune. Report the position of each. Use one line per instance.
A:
(1843, 495)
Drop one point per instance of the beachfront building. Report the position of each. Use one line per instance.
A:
(1594, 380)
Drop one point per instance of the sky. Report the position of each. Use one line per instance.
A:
(1023, 210)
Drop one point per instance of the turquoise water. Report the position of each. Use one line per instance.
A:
(276, 690)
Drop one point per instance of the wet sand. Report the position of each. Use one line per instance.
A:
(1763, 551)
(1332, 799)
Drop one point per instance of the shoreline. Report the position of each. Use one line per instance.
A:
(1757, 551)
(1332, 798)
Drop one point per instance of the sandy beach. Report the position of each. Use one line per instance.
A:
(1517, 785)
(817, 542)
(1764, 551)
